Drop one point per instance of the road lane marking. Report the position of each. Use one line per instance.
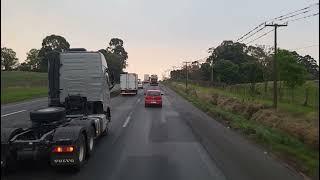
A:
(163, 119)
(138, 100)
(44, 100)
(12, 113)
(127, 120)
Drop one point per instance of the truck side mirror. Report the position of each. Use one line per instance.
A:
(110, 77)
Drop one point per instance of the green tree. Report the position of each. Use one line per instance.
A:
(8, 59)
(227, 71)
(194, 71)
(51, 46)
(114, 63)
(291, 72)
(205, 71)
(116, 57)
(309, 63)
(252, 73)
(24, 67)
(234, 52)
(33, 59)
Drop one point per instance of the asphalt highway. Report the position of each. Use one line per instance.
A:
(174, 142)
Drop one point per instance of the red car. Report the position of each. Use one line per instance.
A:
(153, 98)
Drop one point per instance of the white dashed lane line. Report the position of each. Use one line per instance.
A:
(127, 120)
(12, 113)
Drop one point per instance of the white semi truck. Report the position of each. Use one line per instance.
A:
(79, 113)
(154, 80)
(129, 83)
(146, 78)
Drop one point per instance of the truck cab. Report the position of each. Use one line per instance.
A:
(154, 80)
(84, 74)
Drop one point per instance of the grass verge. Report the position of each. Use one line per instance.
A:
(19, 86)
(284, 146)
(16, 94)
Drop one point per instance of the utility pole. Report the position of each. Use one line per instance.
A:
(186, 73)
(212, 71)
(275, 72)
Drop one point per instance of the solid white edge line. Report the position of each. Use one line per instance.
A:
(12, 113)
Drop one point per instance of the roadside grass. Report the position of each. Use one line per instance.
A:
(284, 146)
(296, 107)
(19, 86)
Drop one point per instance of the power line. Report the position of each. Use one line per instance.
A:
(253, 34)
(303, 17)
(260, 36)
(251, 31)
(282, 17)
(287, 21)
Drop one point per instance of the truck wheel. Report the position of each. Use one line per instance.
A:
(90, 141)
(81, 152)
(10, 164)
(107, 130)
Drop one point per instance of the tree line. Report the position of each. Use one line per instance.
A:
(37, 59)
(234, 63)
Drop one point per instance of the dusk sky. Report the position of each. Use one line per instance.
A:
(157, 34)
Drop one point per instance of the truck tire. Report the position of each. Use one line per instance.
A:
(90, 141)
(47, 115)
(81, 152)
(10, 163)
(107, 130)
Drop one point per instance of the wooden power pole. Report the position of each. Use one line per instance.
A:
(186, 73)
(275, 72)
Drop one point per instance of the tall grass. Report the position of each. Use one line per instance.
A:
(285, 103)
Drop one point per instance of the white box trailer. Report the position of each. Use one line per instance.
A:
(146, 78)
(129, 83)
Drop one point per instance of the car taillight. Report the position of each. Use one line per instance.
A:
(158, 97)
(63, 149)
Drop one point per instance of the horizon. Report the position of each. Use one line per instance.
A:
(155, 41)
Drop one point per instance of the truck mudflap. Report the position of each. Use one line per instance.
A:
(6, 135)
(66, 138)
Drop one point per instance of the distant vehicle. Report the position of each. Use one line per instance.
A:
(79, 113)
(140, 85)
(154, 80)
(129, 83)
(153, 98)
(146, 79)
